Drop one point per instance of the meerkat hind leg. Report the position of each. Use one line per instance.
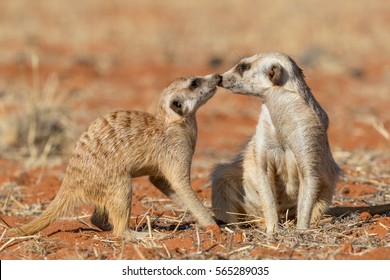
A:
(118, 206)
(120, 221)
(99, 218)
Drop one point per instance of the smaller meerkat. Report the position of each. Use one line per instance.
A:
(127, 144)
(287, 165)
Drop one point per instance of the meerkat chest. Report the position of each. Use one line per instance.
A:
(270, 144)
(274, 153)
(267, 136)
(287, 122)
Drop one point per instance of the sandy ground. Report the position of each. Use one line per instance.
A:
(62, 64)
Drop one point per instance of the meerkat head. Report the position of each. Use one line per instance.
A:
(185, 95)
(254, 75)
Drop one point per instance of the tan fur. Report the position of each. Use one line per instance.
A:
(128, 144)
(288, 164)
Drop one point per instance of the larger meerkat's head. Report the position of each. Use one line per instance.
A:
(254, 75)
(185, 95)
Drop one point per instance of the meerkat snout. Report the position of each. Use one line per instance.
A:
(219, 79)
(215, 79)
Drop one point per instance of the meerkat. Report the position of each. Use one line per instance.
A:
(128, 144)
(287, 165)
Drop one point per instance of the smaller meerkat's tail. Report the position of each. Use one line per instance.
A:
(62, 203)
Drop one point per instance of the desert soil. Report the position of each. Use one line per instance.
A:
(64, 63)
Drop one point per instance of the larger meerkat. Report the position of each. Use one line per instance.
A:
(128, 144)
(288, 164)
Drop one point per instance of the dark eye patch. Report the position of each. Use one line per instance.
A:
(242, 67)
(195, 83)
(176, 103)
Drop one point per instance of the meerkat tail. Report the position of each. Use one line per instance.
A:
(62, 203)
(227, 191)
(342, 210)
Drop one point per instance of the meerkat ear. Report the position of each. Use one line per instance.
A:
(177, 106)
(275, 74)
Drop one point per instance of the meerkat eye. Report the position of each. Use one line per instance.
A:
(242, 67)
(195, 83)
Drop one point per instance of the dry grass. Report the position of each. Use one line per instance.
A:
(39, 128)
(163, 224)
(366, 167)
(12, 202)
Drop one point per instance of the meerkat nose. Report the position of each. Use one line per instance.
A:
(219, 79)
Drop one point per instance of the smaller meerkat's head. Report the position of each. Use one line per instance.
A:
(185, 95)
(254, 75)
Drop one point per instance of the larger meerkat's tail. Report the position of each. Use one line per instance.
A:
(343, 210)
(227, 192)
(62, 203)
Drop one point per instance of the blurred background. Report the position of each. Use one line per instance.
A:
(63, 63)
